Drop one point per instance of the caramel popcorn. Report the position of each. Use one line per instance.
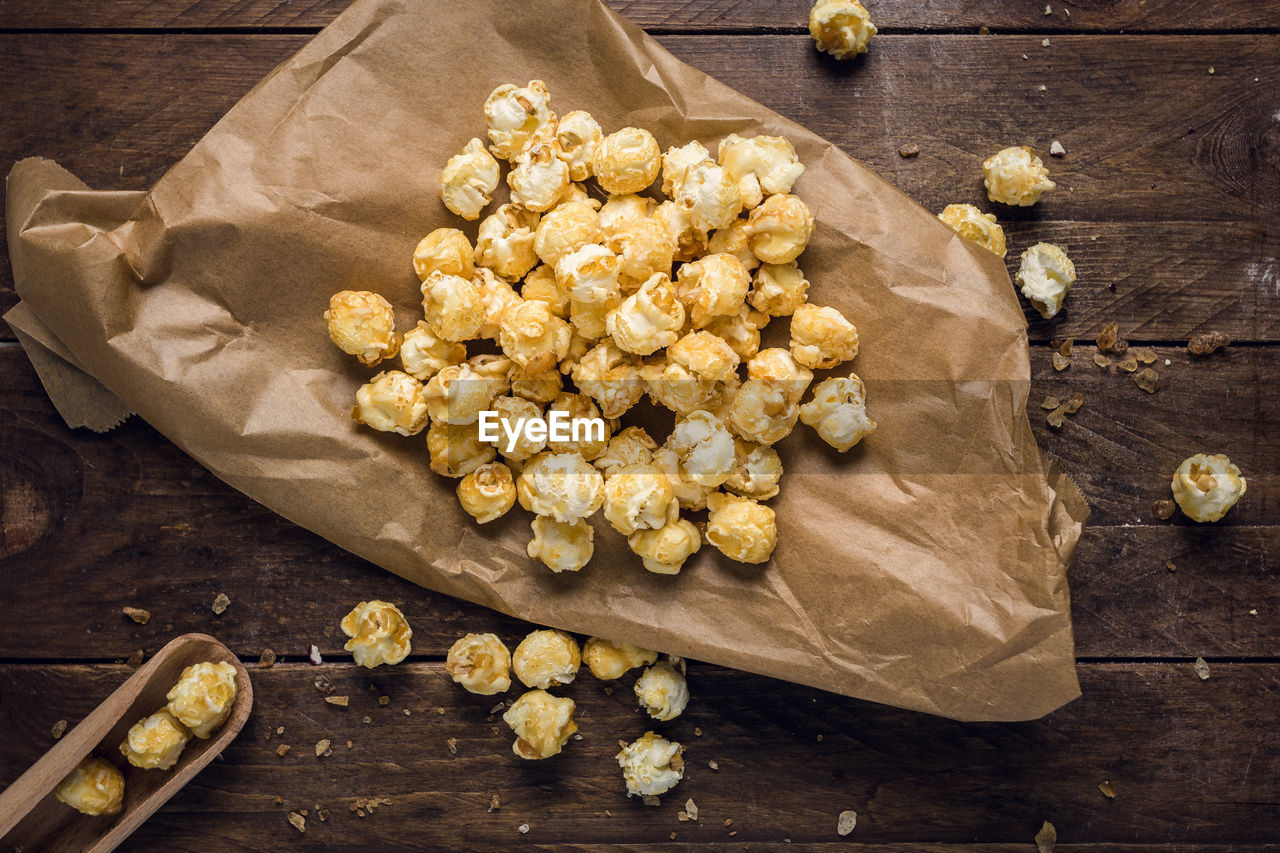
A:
(611, 378)
(496, 295)
(627, 160)
(95, 787)
(734, 240)
(1016, 176)
(690, 242)
(677, 160)
(511, 410)
(453, 306)
(763, 412)
(651, 765)
(1046, 276)
(480, 663)
(976, 226)
(778, 289)
(780, 368)
(538, 179)
(665, 549)
(539, 383)
(618, 210)
(708, 197)
(487, 492)
(644, 248)
(670, 384)
(759, 166)
(468, 181)
(691, 494)
(639, 497)
(779, 229)
(589, 275)
(631, 446)
(561, 485)
(504, 241)
(578, 136)
(662, 691)
(609, 660)
(445, 250)
(841, 28)
(379, 634)
(741, 330)
(649, 319)
(362, 324)
(529, 329)
(516, 117)
(203, 697)
(392, 402)
(705, 356)
(561, 546)
(705, 448)
(540, 285)
(838, 412)
(457, 395)
(714, 286)
(1205, 487)
(740, 528)
(589, 444)
(564, 230)
(543, 724)
(423, 354)
(821, 337)
(455, 450)
(547, 658)
(155, 741)
(757, 471)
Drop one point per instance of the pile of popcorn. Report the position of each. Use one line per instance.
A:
(595, 296)
(197, 705)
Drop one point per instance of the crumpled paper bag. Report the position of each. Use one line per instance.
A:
(926, 569)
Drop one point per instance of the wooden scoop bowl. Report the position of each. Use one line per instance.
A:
(30, 817)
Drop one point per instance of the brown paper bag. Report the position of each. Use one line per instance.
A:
(926, 569)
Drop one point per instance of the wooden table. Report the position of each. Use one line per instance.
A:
(1168, 202)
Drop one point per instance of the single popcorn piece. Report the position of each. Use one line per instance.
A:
(392, 402)
(455, 450)
(543, 724)
(589, 442)
(741, 528)
(547, 658)
(565, 230)
(515, 443)
(691, 243)
(627, 161)
(691, 494)
(95, 787)
(468, 180)
(203, 697)
(631, 446)
(155, 741)
(665, 550)
(651, 765)
(363, 324)
(778, 289)
(976, 226)
(644, 248)
(589, 275)
(561, 546)
(561, 485)
(609, 660)
(821, 337)
(782, 369)
(838, 412)
(578, 136)
(453, 306)
(539, 178)
(734, 240)
(662, 691)
(591, 321)
(759, 166)
(1016, 176)
(705, 448)
(505, 240)
(530, 329)
(379, 634)
(676, 161)
(706, 356)
(494, 370)
(496, 295)
(611, 377)
(480, 663)
(488, 492)
(741, 331)
(423, 354)
(1045, 276)
(649, 319)
(1205, 487)
(445, 250)
(457, 395)
(670, 384)
(639, 497)
(538, 381)
(516, 117)
(620, 209)
(763, 411)
(757, 471)
(708, 197)
(841, 28)
(540, 285)
(779, 229)
(713, 286)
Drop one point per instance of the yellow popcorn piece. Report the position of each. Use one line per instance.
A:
(741, 528)
(627, 161)
(578, 137)
(480, 663)
(530, 330)
(423, 354)
(611, 377)
(543, 724)
(547, 658)
(677, 160)
(95, 787)
(362, 324)
(517, 117)
(566, 229)
(1045, 276)
(631, 446)
(540, 285)
(705, 356)
(734, 240)
(780, 368)
(838, 412)
(976, 226)
(561, 485)
(588, 443)
(757, 471)
(708, 197)
(505, 241)
(496, 295)
(1016, 176)
(821, 337)
(379, 634)
(623, 208)
(662, 691)
(759, 166)
(778, 289)
(457, 395)
(691, 243)
(589, 275)
(705, 448)
(468, 180)
(446, 250)
(488, 492)
(841, 28)
(539, 178)
(651, 765)
(644, 248)
(203, 697)
(453, 306)
(779, 229)
(392, 401)
(609, 660)
(740, 330)
(665, 550)
(1206, 487)
(525, 444)
(713, 286)
(561, 546)
(763, 412)
(691, 494)
(649, 319)
(155, 741)
(639, 497)
(455, 450)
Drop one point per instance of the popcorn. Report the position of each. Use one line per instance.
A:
(454, 308)
(665, 550)
(203, 697)
(740, 528)
(779, 229)
(763, 412)
(778, 289)
(649, 319)
(445, 250)
(740, 330)
(392, 402)
(821, 337)
(972, 224)
(537, 381)
(690, 242)
(1045, 276)
(504, 241)
(609, 660)
(841, 28)
(838, 412)
(496, 296)
(627, 161)
(540, 285)
(156, 741)
(518, 117)
(1016, 176)
(538, 179)
(670, 384)
(631, 446)
(511, 411)
(734, 240)
(1205, 487)
(644, 248)
(494, 370)
(379, 634)
(547, 658)
(488, 492)
(591, 321)
(705, 356)
(566, 229)
(530, 329)
(456, 450)
(639, 497)
(691, 494)
(589, 444)
(94, 787)
(677, 161)
(561, 546)
(362, 324)
(708, 196)
(589, 275)
(780, 368)
(457, 395)
(423, 354)
(621, 209)
(543, 724)
(468, 181)
(662, 691)
(561, 485)
(757, 470)
(705, 448)
(714, 286)
(578, 136)
(480, 663)
(651, 765)
(759, 166)
(610, 377)
(577, 193)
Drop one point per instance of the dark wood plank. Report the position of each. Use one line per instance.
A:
(1185, 765)
(98, 522)
(1180, 201)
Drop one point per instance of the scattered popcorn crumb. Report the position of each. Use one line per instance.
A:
(1145, 355)
(283, 749)
(1148, 380)
(1202, 669)
(313, 654)
(984, 30)
(909, 150)
(220, 604)
(1056, 149)
(322, 747)
(1046, 838)
(1207, 343)
(384, 700)
(341, 701)
(1108, 790)
(135, 660)
(846, 822)
(697, 732)
(1044, 43)
(1042, 88)
(298, 821)
(523, 829)
(267, 659)
(1109, 340)
(137, 614)
(1057, 417)
(1163, 509)
(60, 727)
(713, 764)
(1210, 69)
(1167, 362)
(440, 711)
(1253, 612)
(350, 745)
(366, 720)
(1050, 403)
(1048, 10)
(323, 814)
(1169, 564)
(1101, 360)
(279, 730)
(651, 800)
(495, 803)
(691, 809)
(1128, 364)
(406, 711)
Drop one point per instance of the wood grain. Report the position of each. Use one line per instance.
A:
(1156, 731)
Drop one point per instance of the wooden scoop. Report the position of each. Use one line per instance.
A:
(30, 817)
